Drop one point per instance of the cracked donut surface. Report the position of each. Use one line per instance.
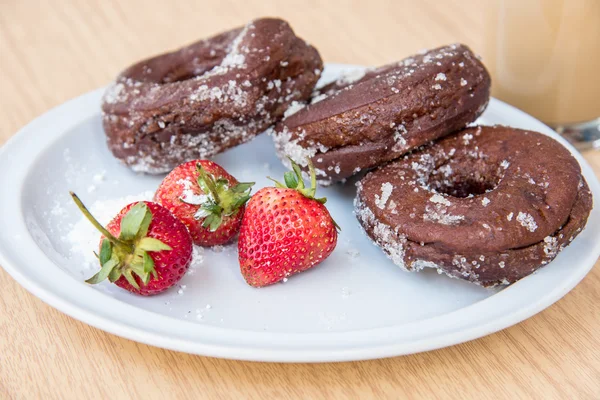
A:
(207, 97)
(489, 205)
(368, 118)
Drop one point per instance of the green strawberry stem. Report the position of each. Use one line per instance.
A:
(97, 224)
(294, 180)
(207, 182)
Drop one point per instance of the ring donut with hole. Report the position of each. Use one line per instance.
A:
(489, 205)
(364, 120)
(207, 97)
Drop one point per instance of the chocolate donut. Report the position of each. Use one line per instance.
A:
(489, 205)
(205, 98)
(360, 122)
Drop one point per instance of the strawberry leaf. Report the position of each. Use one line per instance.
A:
(212, 222)
(208, 220)
(145, 225)
(207, 210)
(239, 202)
(222, 182)
(152, 244)
(142, 266)
(337, 227)
(277, 183)
(205, 188)
(201, 213)
(216, 222)
(104, 271)
(212, 208)
(242, 187)
(298, 172)
(137, 265)
(207, 183)
(290, 180)
(148, 263)
(105, 251)
(127, 274)
(131, 224)
(115, 274)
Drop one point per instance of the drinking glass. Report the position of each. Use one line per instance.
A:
(544, 58)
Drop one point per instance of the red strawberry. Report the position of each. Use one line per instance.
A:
(285, 230)
(208, 200)
(144, 249)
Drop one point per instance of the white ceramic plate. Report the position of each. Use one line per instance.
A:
(352, 307)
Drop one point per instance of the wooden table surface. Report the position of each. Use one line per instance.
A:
(53, 51)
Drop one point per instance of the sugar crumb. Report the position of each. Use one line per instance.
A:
(386, 191)
(526, 220)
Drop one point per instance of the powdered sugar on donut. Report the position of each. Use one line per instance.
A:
(527, 221)
(386, 191)
(384, 236)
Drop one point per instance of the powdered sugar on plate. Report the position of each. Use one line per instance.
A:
(197, 259)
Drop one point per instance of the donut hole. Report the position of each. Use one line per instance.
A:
(183, 73)
(465, 187)
(174, 67)
(465, 179)
(186, 71)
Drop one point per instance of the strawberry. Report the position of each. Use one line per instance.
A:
(285, 230)
(144, 249)
(208, 200)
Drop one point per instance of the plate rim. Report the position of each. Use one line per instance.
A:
(295, 353)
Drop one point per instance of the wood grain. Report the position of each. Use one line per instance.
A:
(53, 51)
